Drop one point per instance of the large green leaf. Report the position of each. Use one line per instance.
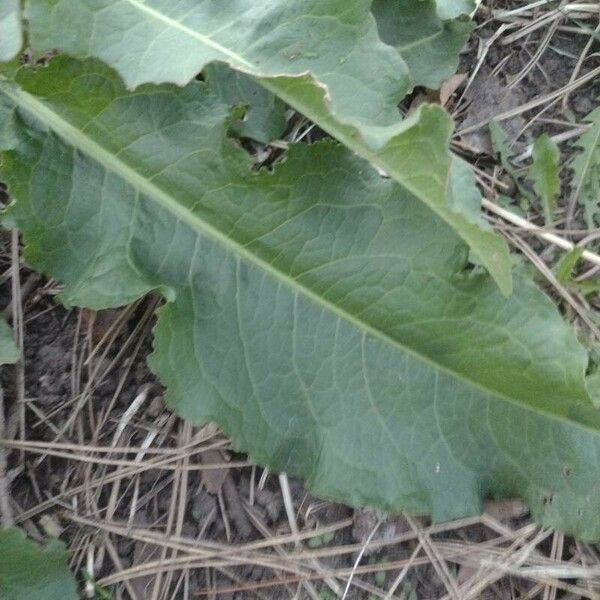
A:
(318, 312)
(28, 572)
(11, 35)
(429, 45)
(324, 58)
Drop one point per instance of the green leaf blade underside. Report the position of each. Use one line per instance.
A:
(586, 167)
(318, 313)
(11, 34)
(325, 60)
(28, 572)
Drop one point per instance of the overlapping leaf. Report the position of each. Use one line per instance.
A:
(544, 172)
(319, 313)
(429, 45)
(325, 59)
(155, 41)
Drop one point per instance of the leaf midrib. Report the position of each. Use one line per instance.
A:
(208, 41)
(82, 142)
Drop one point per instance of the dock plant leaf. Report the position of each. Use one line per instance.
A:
(324, 316)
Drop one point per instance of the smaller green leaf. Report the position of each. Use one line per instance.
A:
(9, 353)
(11, 34)
(509, 203)
(502, 148)
(564, 273)
(588, 287)
(28, 572)
(264, 120)
(586, 167)
(565, 266)
(544, 172)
